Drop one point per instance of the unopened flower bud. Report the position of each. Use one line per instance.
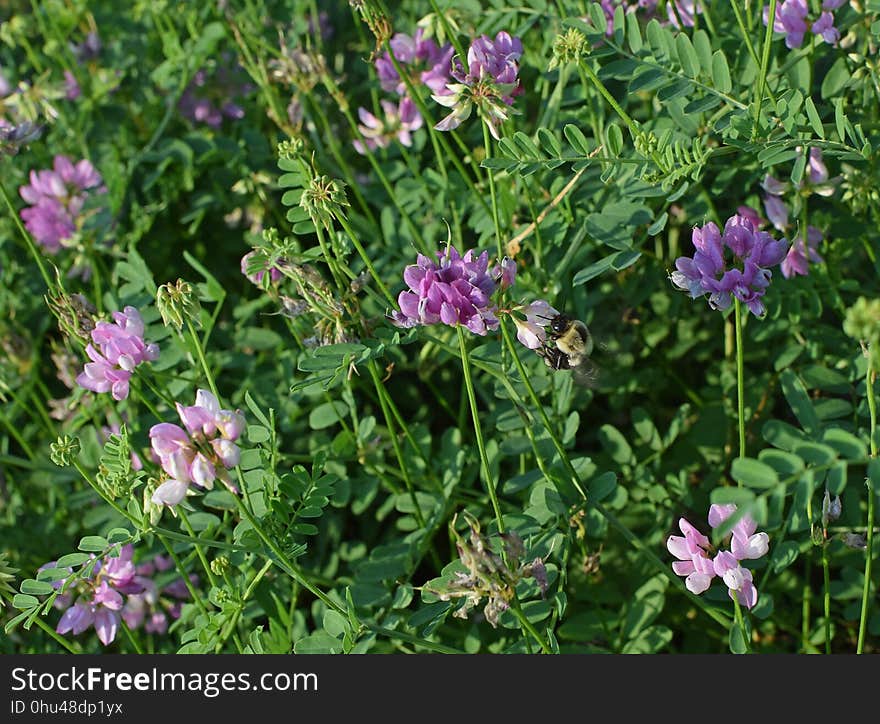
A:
(177, 302)
(291, 149)
(323, 199)
(568, 48)
(64, 450)
(220, 565)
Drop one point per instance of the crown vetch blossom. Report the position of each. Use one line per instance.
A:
(419, 52)
(792, 19)
(209, 98)
(728, 264)
(816, 181)
(693, 551)
(98, 600)
(532, 331)
(200, 452)
(686, 11)
(56, 199)
(153, 607)
(490, 83)
(457, 290)
(797, 260)
(399, 122)
(120, 348)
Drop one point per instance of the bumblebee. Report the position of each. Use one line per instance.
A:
(569, 347)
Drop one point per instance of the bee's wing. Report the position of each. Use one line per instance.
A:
(586, 373)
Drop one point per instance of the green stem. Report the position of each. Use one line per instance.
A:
(335, 271)
(199, 552)
(364, 256)
(49, 630)
(487, 144)
(131, 639)
(184, 574)
(600, 86)
(765, 62)
(230, 628)
(612, 520)
(478, 430)
(869, 484)
(826, 596)
(746, 35)
(202, 361)
(741, 623)
(516, 607)
(807, 595)
(29, 242)
(284, 561)
(392, 433)
(740, 402)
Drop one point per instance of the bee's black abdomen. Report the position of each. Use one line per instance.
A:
(556, 359)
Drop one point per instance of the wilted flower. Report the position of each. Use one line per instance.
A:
(728, 264)
(487, 574)
(399, 122)
(831, 509)
(455, 290)
(120, 348)
(694, 550)
(200, 452)
(56, 199)
(98, 599)
(14, 137)
(490, 82)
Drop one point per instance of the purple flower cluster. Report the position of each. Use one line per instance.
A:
(693, 552)
(424, 62)
(686, 11)
(728, 264)
(155, 605)
(200, 452)
(792, 19)
(490, 83)
(400, 121)
(429, 63)
(209, 98)
(816, 181)
(98, 600)
(120, 348)
(56, 199)
(455, 290)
